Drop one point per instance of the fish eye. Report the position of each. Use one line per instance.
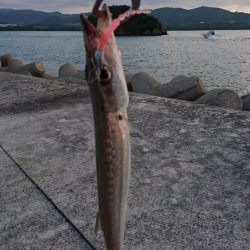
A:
(120, 117)
(105, 76)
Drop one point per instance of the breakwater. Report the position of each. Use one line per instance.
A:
(180, 88)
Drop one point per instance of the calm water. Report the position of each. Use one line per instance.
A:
(221, 63)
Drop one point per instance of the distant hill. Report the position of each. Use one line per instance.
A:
(38, 20)
(33, 17)
(172, 18)
(201, 18)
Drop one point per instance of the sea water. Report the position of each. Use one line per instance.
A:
(221, 63)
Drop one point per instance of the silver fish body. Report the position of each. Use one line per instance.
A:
(110, 101)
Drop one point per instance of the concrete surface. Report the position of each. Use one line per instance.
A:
(143, 83)
(187, 88)
(190, 186)
(222, 98)
(31, 92)
(27, 220)
(246, 102)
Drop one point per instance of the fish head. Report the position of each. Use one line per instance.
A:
(105, 66)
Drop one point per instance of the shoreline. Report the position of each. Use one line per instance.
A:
(79, 30)
(187, 88)
(169, 29)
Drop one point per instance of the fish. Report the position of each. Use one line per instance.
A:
(109, 95)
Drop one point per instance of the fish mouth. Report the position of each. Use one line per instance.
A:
(105, 18)
(93, 35)
(103, 61)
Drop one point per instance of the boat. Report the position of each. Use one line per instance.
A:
(210, 34)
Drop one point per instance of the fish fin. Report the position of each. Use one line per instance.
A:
(98, 224)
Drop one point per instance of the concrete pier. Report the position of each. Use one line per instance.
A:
(190, 186)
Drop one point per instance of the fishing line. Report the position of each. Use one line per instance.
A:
(50, 200)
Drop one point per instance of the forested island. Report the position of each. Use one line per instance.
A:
(138, 25)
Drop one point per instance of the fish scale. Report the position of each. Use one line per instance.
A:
(109, 97)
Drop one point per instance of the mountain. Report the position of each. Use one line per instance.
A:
(38, 20)
(172, 18)
(33, 17)
(202, 17)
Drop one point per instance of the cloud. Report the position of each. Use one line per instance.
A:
(77, 6)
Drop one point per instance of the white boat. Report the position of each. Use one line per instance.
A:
(209, 34)
(212, 36)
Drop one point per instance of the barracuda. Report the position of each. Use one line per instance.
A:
(109, 95)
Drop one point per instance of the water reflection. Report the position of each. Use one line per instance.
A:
(221, 63)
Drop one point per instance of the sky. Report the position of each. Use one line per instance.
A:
(81, 6)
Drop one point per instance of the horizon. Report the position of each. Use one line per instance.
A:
(121, 4)
(87, 7)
